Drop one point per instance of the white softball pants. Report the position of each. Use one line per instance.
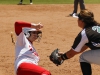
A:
(91, 56)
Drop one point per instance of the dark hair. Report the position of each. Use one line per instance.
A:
(87, 17)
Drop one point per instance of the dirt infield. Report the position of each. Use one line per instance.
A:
(59, 32)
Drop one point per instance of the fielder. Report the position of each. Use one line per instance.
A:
(27, 58)
(82, 7)
(89, 37)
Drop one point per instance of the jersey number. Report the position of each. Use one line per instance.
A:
(96, 28)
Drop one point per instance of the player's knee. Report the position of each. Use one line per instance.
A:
(46, 73)
(82, 58)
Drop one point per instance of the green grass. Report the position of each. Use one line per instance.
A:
(48, 1)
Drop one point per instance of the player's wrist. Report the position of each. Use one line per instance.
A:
(64, 56)
(37, 26)
(33, 25)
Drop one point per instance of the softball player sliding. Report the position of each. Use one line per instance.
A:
(26, 62)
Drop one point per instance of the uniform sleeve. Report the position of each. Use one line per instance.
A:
(19, 25)
(80, 41)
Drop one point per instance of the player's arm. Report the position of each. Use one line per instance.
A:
(72, 53)
(20, 24)
(78, 45)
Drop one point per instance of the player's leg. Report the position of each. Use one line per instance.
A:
(86, 68)
(88, 57)
(75, 6)
(74, 13)
(21, 1)
(82, 5)
(91, 56)
(31, 69)
(31, 2)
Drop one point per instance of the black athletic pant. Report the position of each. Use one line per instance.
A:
(82, 6)
(86, 68)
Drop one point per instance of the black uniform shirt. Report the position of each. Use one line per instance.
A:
(89, 36)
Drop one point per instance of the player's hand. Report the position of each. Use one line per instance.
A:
(37, 26)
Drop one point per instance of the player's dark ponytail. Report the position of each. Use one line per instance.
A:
(88, 18)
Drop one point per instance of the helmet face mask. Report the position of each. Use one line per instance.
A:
(27, 34)
(37, 34)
